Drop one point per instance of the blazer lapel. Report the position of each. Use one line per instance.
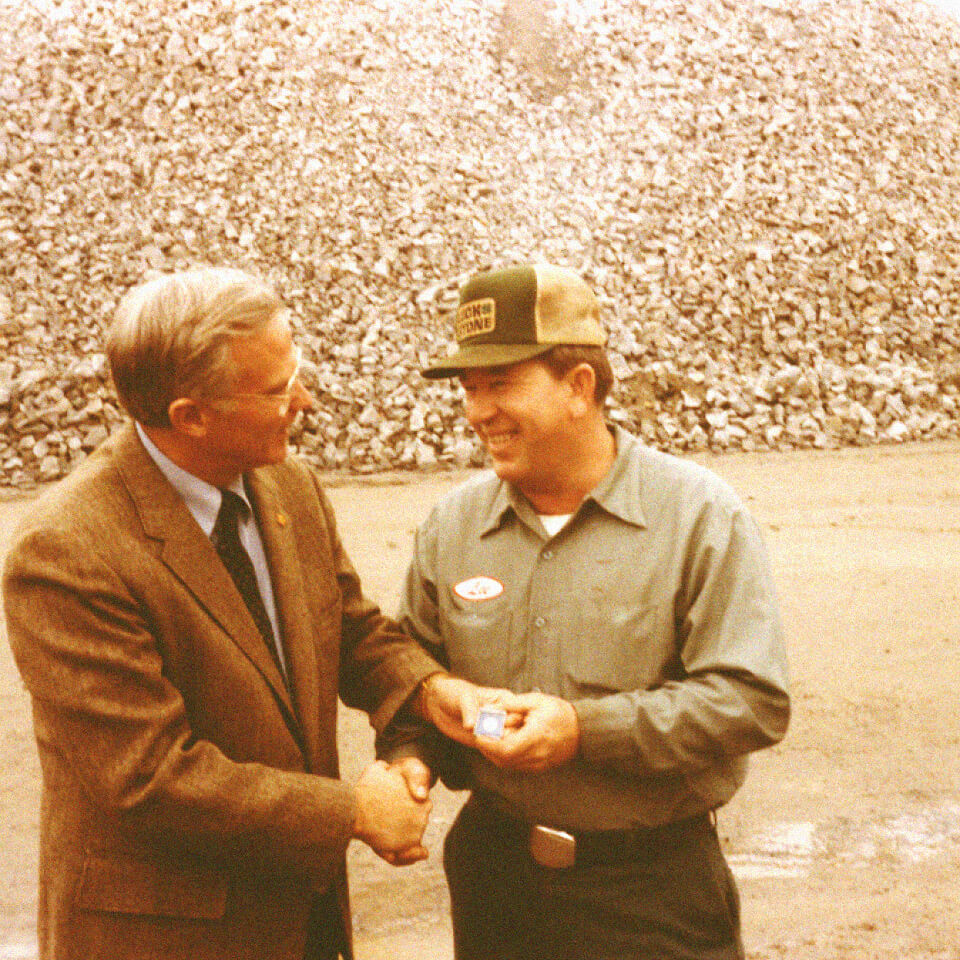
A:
(191, 557)
(289, 591)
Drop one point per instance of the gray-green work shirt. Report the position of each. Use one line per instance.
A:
(652, 611)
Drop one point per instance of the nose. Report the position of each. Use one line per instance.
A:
(478, 407)
(302, 398)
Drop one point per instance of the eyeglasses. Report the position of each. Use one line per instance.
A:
(282, 397)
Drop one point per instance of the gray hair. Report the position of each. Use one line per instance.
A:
(171, 337)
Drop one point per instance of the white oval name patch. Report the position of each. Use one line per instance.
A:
(478, 588)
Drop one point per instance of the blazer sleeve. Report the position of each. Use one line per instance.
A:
(380, 665)
(112, 722)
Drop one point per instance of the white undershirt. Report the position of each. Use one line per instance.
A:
(553, 523)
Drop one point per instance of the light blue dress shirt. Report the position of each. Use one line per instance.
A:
(203, 501)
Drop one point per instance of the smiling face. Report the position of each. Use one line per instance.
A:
(524, 416)
(250, 427)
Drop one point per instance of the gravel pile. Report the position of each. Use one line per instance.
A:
(766, 195)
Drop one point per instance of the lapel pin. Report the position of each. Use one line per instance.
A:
(282, 519)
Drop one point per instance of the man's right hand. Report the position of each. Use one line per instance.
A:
(452, 704)
(388, 819)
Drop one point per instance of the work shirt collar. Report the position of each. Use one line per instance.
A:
(619, 493)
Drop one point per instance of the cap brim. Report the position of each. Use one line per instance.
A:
(484, 355)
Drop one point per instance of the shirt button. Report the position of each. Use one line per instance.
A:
(540, 622)
(547, 554)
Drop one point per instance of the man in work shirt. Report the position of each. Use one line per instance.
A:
(623, 595)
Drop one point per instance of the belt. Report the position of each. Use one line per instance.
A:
(561, 849)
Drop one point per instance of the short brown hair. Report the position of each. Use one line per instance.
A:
(564, 357)
(171, 336)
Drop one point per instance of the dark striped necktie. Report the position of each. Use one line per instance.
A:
(226, 541)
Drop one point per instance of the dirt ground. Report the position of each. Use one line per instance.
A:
(846, 838)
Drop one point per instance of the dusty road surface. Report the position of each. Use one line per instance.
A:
(846, 838)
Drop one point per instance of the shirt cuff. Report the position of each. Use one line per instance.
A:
(606, 728)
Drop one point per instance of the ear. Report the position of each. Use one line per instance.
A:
(188, 417)
(582, 381)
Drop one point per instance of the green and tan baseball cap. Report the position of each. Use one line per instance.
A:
(510, 315)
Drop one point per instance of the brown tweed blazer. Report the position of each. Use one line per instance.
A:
(191, 802)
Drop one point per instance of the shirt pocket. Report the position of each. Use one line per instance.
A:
(617, 648)
(477, 639)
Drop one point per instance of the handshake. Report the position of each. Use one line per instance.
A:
(393, 801)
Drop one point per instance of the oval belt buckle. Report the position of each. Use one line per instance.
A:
(552, 848)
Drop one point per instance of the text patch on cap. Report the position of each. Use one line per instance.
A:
(477, 589)
(476, 317)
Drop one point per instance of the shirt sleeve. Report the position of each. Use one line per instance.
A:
(409, 735)
(730, 697)
(419, 611)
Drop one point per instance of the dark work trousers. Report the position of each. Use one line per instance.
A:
(669, 895)
(325, 938)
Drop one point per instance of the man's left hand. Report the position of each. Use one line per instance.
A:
(548, 736)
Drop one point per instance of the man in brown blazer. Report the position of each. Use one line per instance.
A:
(184, 616)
